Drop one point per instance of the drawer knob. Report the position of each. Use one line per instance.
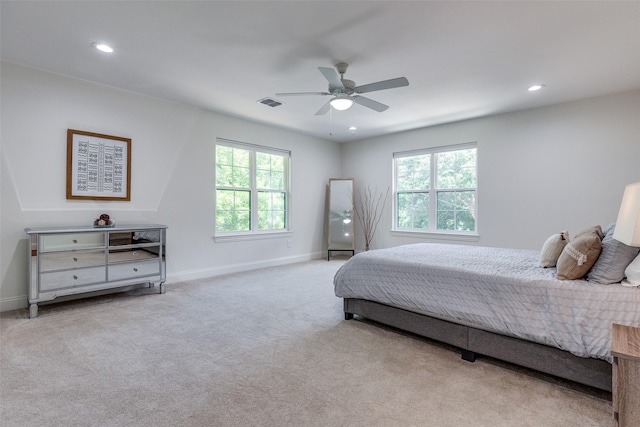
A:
(75, 277)
(75, 259)
(135, 269)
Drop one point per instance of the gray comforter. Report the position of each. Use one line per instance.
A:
(496, 289)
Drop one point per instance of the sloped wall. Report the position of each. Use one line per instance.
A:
(172, 175)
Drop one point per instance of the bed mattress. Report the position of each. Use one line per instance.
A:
(497, 289)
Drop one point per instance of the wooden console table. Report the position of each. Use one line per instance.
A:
(625, 349)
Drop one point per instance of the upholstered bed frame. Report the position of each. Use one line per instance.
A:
(550, 360)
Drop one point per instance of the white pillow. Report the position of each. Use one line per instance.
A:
(552, 248)
(633, 273)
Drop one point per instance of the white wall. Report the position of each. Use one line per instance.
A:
(543, 170)
(172, 175)
(540, 171)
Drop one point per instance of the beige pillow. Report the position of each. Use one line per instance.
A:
(595, 229)
(552, 249)
(578, 256)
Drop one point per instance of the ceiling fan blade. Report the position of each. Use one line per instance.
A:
(332, 76)
(370, 103)
(384, 84)
(324, 109)
(302, 93)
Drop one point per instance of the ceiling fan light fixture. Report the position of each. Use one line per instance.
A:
(341, 102)
(102, 47)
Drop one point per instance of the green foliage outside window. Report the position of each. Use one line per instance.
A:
(456, 209)
(413, 173)
(413, 210)
(241, 175)
(446, 178)
(232, 167)
(233, 210)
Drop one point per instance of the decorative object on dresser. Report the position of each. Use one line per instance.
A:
(625, 349)
(74, 260)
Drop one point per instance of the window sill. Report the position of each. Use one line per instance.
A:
(240, 237)
(437, 235)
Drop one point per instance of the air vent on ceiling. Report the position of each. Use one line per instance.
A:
(270, 102)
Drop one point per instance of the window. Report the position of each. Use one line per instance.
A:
(435, 190)
(252, 188)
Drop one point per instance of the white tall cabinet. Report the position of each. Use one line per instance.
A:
(74, 260)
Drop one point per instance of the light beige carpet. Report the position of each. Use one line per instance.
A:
(263, 348)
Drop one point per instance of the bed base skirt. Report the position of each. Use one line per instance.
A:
(549, 360)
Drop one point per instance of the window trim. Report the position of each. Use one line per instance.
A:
(433, 233)
(254, 233)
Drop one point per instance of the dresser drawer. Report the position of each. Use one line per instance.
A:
(71, 278)
(71, 241)
(67, 260)
(132, 270)
(133, 254)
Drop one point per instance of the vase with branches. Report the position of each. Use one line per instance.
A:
(369, 208)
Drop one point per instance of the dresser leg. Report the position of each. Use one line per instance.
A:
(162, 289)
(33, 311)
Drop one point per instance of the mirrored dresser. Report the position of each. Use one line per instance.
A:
(74, 260)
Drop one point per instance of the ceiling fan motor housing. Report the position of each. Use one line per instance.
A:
(349, 88)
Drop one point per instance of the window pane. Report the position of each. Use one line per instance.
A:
(456, 210)
(413, 173)
(233, 210)
(270, 171)
(456, 169)
(413, 210)
(271, 210)
(232, 167)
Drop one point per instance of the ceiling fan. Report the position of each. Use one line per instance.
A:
(345, 92)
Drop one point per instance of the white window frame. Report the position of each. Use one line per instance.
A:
(254, 233)
(432, 232)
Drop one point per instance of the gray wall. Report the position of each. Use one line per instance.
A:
(540, 171)
(172, 175)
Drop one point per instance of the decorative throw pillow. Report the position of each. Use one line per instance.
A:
(579, 256)
(552, 249)
(614, 258)
(595, 229)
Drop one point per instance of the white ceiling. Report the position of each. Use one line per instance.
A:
(462, 59)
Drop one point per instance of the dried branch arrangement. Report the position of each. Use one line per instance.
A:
(369, 211)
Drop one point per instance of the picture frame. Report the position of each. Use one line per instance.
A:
(98, 166)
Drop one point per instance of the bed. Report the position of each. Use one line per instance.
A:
(495, 302)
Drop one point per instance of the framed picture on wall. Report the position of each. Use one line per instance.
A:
(98, 166)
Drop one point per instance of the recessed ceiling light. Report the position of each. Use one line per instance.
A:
(102, 47)
(353, 128)
(535, 88)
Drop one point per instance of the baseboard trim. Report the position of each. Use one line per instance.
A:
(14, 303)
(20, 302)
(238, 268)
